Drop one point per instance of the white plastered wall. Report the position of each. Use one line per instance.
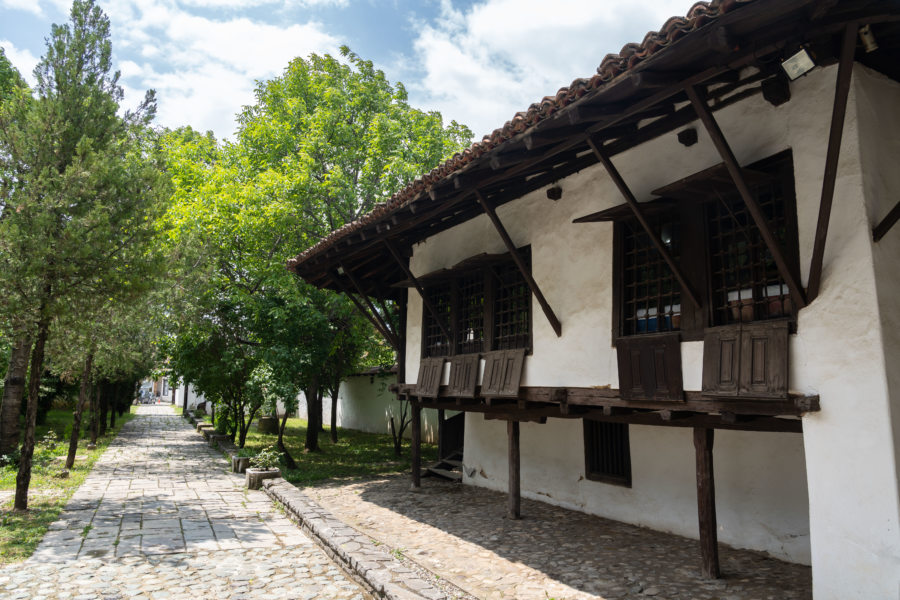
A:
(847, 450)
(366, 404)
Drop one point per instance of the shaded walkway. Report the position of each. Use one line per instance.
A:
(158, 517)
(461, 533)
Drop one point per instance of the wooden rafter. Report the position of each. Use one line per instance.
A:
(886, 223)
(838, 111)
(428, 305)
(718, 138)
(368, 302)
(523, 269)
(639, 214)
(393, 341)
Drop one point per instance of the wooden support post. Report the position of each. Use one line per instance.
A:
(515, 497)
(706, 503)
(734, 169)
(428, 305)
(639, 214)
(362, 294)
(526, 273)
(416, 432)
(841, 91)
(401, 338)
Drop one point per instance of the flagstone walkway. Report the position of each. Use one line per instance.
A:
(159, 517)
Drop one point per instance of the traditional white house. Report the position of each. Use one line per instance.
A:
(693, 245)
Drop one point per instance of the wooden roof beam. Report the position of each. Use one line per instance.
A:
(526, 273)
(886, 223)
(362, 294)
(838, 111)
(718, 138)
(639, 214)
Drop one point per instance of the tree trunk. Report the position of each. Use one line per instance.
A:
(334, 402)
(23, 478)
(104, 408)
(13, 390)
(184, 408)
(314, 414)
(289, 461)
(116, 399)
(84, 392)
(95, 406)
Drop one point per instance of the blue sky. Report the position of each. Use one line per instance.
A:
(476, 61)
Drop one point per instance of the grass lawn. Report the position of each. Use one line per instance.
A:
(356, 454)
(20, 533)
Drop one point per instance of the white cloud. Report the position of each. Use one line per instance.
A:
(482, 65)
(27, 5)
(22, 59)
(203, 69)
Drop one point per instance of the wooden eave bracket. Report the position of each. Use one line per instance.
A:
(639, 214)
(838, 111)
(718, 138)
(886, 223)
(372, 316)
(437, 317)
(526, 274)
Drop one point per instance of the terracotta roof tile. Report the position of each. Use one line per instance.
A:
(612, 66)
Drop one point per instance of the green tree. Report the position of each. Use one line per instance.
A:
(85, 188)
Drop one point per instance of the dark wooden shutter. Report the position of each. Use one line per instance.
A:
(429, 380)
(502, 373)
(764, 360)
(721, 360)
(747, 360)
(650, 367)
(463, 375)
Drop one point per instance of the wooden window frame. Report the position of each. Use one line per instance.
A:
(490, 287)
(695, 255)
(591, 471)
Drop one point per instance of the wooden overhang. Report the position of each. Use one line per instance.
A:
(709, 64)
(535, 403)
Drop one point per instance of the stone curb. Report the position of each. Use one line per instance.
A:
(383, 575)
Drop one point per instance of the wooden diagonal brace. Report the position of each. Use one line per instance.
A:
(841, 91)
(428, 305)
(362, 309)
(365, 298)
(639, 214)
(886, 223)
(734, 169)
(523, 269)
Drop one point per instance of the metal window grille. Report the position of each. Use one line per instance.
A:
(607, 452)
(436, 343)
(470, 313)
(745, 283)
(512, 309)
(651, 299)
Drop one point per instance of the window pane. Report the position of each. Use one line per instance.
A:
(512, 308)
(436, 343)
(470, 321)
(651, 299)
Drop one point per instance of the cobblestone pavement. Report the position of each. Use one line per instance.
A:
(460, 533)
(158, 517)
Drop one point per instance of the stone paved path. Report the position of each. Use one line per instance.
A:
(159, 517)
(461, 533)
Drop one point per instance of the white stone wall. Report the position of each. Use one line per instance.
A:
(847, 449)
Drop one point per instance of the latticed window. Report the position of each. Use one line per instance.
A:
(485, 308)
(651, 294)
(745, 282)
(436, 343)
(709, 232)
(512, 310)
(470, 313)
(607, 453)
